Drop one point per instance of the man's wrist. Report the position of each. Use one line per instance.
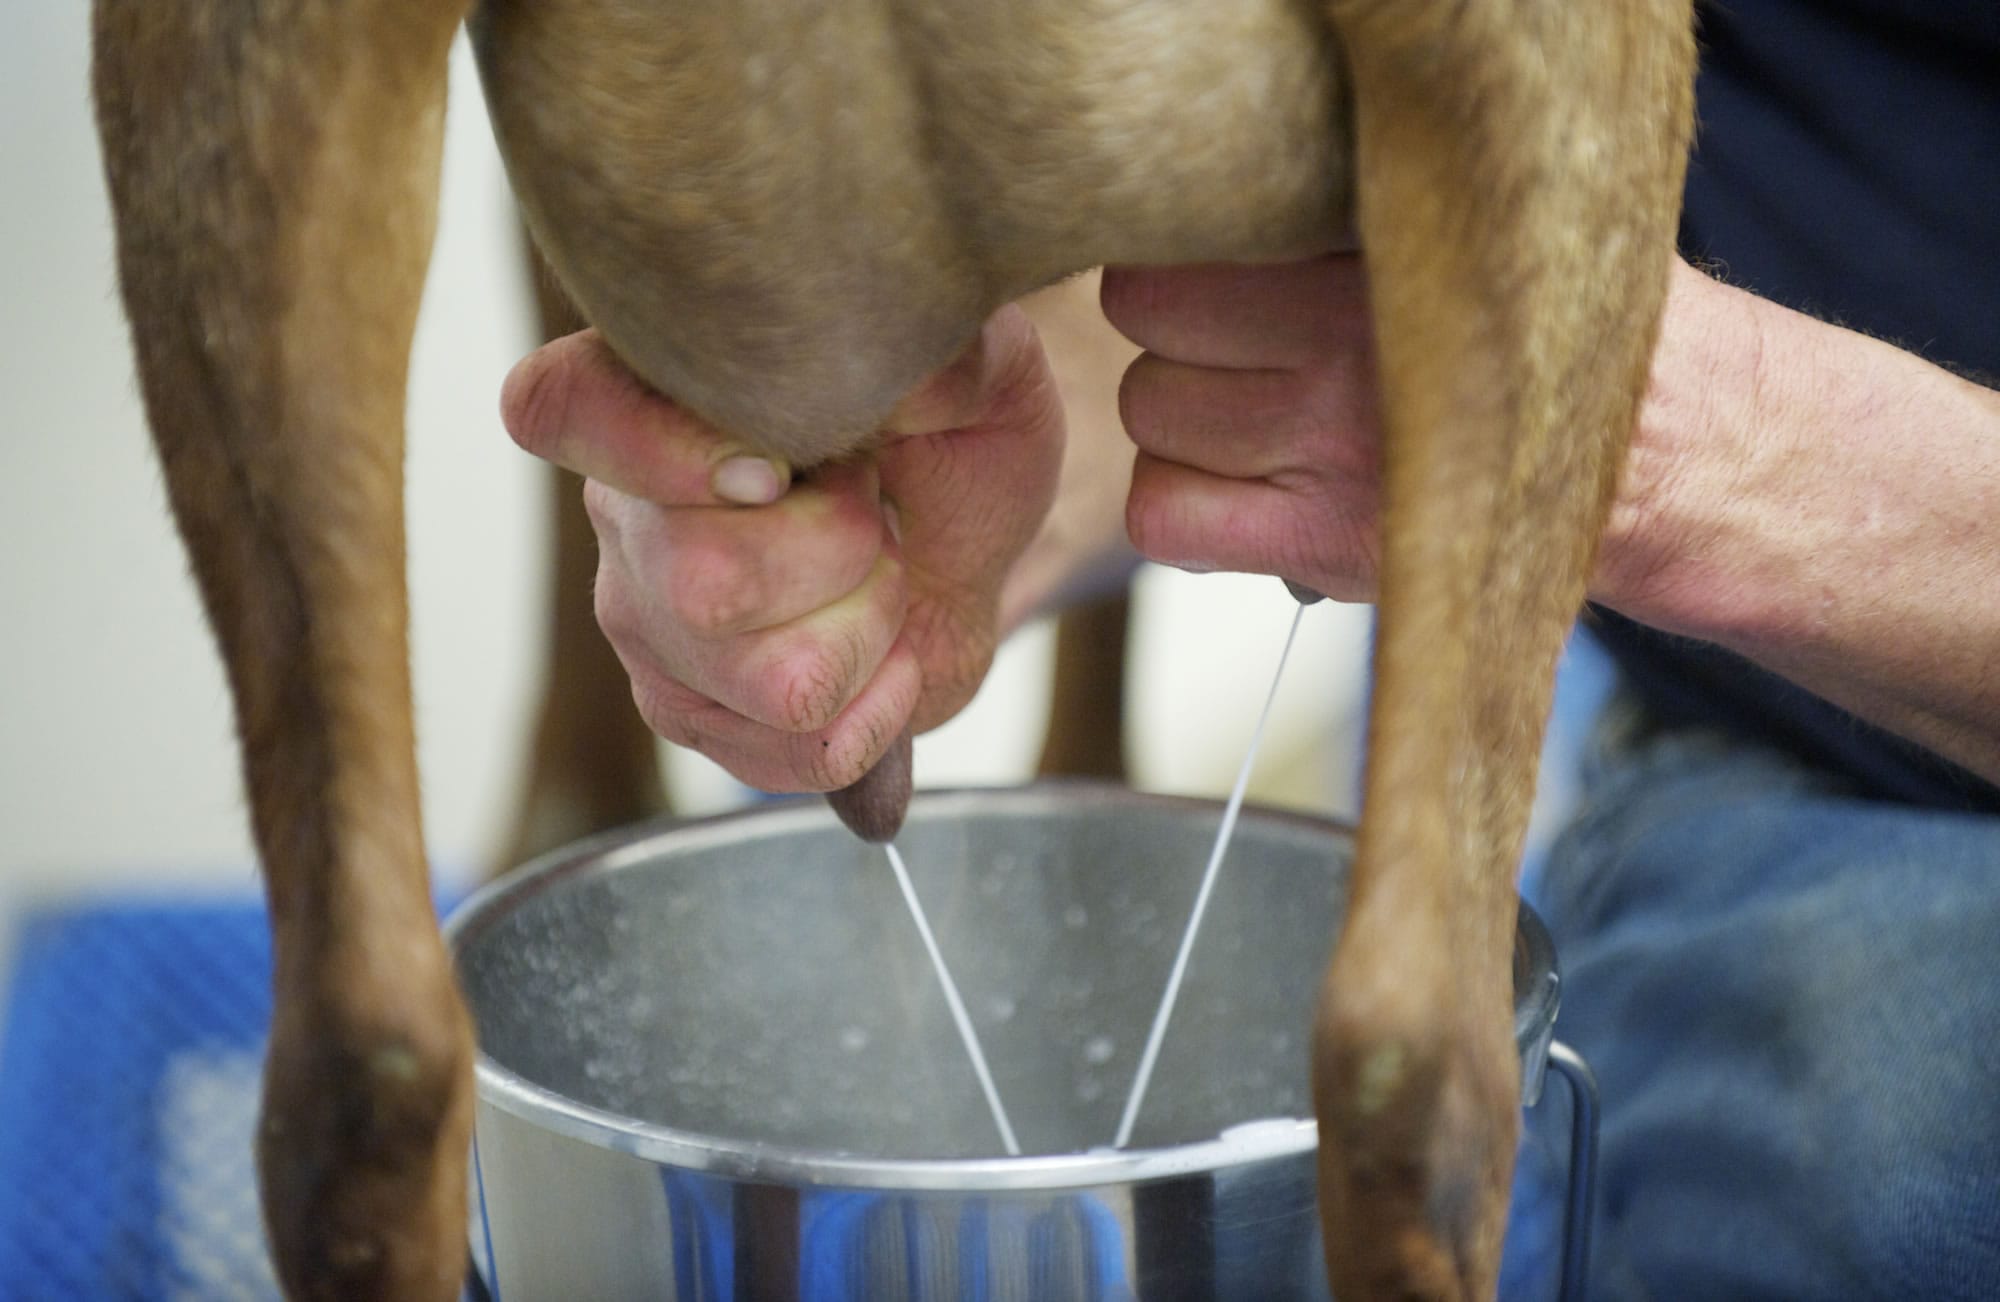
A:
(1696, 543)
(1794, 485)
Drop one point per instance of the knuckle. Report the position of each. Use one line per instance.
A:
(1302, 549)
(709, 592)
(662, 708)
(1148, 516)
(811, 696)
(816, 684)
(957, 642)
(602, 503)
(535, 400)
(952, 689)
(1139, 408)
(843, 756)
(615, 616)
(1163, 529)
(1129, 298)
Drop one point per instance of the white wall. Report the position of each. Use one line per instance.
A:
(116, 761)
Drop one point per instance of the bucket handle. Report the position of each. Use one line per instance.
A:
(1577, 1208)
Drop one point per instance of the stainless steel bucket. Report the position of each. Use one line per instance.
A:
(715, 1062)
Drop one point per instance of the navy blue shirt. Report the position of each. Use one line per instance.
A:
(1847, 163)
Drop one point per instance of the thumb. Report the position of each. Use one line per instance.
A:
(968, 480)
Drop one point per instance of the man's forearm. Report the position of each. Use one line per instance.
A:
(1824, 504)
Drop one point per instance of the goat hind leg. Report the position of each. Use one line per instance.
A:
(273, 173)
(1518, 171)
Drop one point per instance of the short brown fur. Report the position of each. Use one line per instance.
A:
(785, 215)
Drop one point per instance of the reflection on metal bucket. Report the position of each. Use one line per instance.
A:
(715, 1064)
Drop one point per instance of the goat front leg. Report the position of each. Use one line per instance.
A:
(1518, 178)
(273, 175)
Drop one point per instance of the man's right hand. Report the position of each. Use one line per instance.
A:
(790, 628)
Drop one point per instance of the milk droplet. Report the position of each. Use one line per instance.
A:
(854, 1039)
(1098, 1050)
(1001, 1007)
(1264, 1129)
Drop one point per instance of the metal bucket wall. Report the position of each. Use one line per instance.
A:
(715, 1062)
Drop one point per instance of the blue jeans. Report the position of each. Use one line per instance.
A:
(1791, 997)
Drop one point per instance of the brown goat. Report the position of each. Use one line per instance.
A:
(785, 215)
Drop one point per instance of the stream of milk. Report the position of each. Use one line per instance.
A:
(1144, 1076)
(1150, 1057)
(958, 1013)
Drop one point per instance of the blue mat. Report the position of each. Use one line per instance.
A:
(128, 1090)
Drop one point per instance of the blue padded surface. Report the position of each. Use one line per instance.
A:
(128, 1086)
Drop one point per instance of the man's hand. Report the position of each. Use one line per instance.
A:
(1254, 411)
(790, 628)
(1818, 501)
(1254, 408)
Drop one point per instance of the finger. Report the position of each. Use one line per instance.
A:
(574, 403)
(1228, 315)
(1323, 536)
(716, 572)
(772, 759)
(1252, 424)
(796, 677)
(970, 493)
(969, 499)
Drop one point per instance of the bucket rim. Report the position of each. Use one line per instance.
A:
(1536, 998)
